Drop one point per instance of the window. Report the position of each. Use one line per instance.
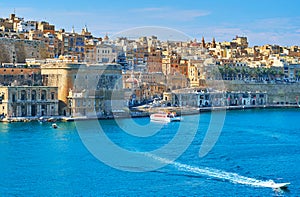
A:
(43, 95)
(23, 95)
(105, 60)
(33, 95)
(52, 95)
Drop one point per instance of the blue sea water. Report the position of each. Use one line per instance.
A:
(255, 146)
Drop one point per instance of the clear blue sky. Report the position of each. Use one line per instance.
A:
(262, 21)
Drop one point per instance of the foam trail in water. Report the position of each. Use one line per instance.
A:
(215, 173)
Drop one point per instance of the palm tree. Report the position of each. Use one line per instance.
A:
(237, 71)
(272, 73)
(243, 72)
(217, 73)
(222, 71)
(264, 73)
(280, 73)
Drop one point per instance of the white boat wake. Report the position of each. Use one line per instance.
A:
(222, 175)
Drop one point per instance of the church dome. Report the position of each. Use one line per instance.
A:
(132, 80)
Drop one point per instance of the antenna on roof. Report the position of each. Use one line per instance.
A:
(14, 10)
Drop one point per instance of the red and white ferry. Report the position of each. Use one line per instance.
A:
(165, 117)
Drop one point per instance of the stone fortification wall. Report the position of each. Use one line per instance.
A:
(17, 50)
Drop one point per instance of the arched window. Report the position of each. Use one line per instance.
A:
(33, 95)
(23, 95)
(43, 95)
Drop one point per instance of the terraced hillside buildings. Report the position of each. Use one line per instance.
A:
(35, 53)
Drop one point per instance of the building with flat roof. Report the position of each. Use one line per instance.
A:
(28, 101)
(85, 85)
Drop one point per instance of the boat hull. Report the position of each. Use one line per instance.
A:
(164, 118)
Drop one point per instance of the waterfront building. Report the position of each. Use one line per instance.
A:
(28, 101)
(213, 98)
(194, 98)
(246, 98)
(95, 103)
(103, 81)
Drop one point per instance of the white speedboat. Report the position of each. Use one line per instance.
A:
(280, 185)
(165, 117)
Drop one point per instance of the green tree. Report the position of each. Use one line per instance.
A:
(272, 73)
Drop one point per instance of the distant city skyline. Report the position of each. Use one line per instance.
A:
(263, 22)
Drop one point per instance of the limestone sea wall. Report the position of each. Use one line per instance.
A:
(277, 93)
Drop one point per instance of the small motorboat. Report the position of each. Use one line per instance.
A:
(165, 117)
(280, 185)
(42, 119)
(54, 126)
(51, 119)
